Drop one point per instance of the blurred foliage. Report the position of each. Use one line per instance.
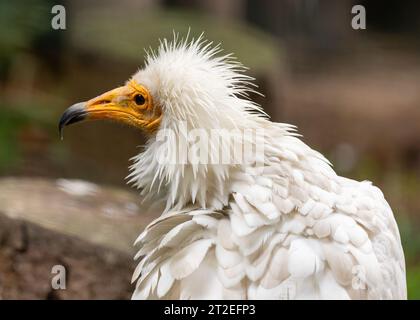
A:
(92, 30)
(12, 121)
(413, 282)
(410, 239)
(21, 22)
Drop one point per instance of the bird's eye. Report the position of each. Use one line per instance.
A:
(139, 99)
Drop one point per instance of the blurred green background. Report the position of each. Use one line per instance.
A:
(354, 94)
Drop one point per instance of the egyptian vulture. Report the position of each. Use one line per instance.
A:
(270, 222)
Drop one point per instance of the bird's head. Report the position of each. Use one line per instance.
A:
(184, 83)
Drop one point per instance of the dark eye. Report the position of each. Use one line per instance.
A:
(139, 99)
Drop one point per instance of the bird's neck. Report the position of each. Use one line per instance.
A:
(195, 168)
(185, 170)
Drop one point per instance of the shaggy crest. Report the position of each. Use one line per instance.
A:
(192, 82)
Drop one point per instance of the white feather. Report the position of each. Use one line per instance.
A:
(189, 258)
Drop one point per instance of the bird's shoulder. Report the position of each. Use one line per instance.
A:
(291, 229)
(326, 223)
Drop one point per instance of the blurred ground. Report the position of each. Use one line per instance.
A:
(87, 228)
(353, 94)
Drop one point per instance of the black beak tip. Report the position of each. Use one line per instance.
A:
(73, 114)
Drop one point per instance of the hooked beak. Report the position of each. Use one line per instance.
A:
(121, 104)
(73, 114)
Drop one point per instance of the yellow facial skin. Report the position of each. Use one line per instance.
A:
(131, 104)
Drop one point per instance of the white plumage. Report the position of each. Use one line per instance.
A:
(281, 225)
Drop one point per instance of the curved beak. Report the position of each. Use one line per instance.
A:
(73, 114)
(109, 105)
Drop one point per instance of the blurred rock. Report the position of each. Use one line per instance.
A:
(42, 225)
